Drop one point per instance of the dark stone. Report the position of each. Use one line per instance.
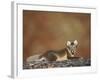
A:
(74, 62)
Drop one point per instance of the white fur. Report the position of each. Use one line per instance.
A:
(68, 43)
(33, 58)
(43, 58)
(76, 42)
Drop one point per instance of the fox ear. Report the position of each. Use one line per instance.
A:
(68, 43)
(76, 42)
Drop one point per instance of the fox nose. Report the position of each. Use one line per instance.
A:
(72, 52)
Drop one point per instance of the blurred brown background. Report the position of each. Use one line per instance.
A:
(44, 31)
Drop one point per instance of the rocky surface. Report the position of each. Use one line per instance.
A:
(54, 64)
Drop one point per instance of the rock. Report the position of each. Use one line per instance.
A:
(75, 62)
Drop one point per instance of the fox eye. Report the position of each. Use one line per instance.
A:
(43, 60)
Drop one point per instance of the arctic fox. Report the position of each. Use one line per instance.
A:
(63, 54)
(57, 55)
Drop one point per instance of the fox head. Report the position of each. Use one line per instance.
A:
(71, 47)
